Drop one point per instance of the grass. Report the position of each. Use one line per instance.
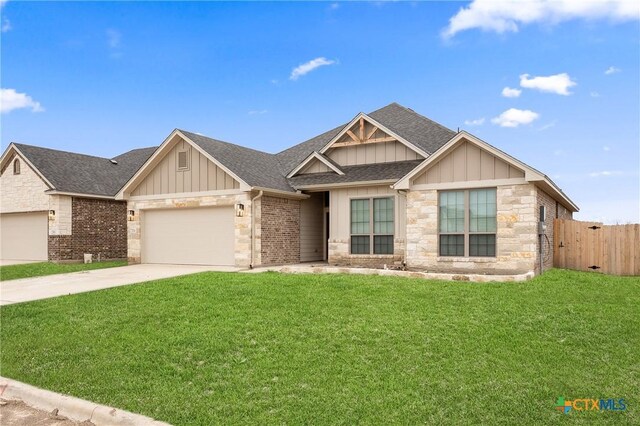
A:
(29, 270)
(218, 348)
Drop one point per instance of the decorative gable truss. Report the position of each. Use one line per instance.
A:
(366, 141)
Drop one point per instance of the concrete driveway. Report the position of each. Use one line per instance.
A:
(27, 289)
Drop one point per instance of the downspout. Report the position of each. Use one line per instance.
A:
(253, 226)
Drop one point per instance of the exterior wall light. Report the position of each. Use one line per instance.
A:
(52, 215)
(132, 215)
(240, 210)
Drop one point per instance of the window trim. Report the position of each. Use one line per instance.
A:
(188, 157)
(372, 233)
(17, 170)
(467, 225)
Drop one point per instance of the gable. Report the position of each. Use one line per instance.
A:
(314, 166)
(201, 174)
(365, 141)
(467, 162)
(24, 191)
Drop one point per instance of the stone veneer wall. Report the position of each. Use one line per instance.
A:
(279, 230)
(242, 224)
(516, 239)
(554, 210)
(339, 255)
(23, 192)
(95, 226)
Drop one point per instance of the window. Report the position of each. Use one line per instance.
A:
(183, 160)
(16, 167)
(372, 226)
(467, 222)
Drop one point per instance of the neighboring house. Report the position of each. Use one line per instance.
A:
(57, 205)
(388, 188)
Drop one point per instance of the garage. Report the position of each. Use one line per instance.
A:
(24, 236)
(198, 236)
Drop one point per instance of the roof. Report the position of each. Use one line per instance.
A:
(256, 168)
(361, 173)
(415, 128)
(84, 174)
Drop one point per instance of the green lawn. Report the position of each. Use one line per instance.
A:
(28, 270)
(229, 348)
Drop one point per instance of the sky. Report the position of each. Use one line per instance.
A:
(555, 84)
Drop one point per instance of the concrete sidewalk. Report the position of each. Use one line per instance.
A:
(27, 289)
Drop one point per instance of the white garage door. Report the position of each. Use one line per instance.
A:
(24, 236)
(201, 236)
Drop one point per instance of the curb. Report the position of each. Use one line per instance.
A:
(73, 408)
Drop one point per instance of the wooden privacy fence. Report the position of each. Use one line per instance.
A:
(592, 246)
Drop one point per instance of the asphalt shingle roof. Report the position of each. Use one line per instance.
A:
(415, 128)
(256, 168)
(361, 173)
(85, 174)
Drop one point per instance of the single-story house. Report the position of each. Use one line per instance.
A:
(391, 187)
(57, 205)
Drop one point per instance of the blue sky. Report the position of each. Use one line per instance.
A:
(103, 78)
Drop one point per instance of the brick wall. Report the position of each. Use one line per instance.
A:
(280, 230)
(99, 227)
(60, 248)
(554, 210)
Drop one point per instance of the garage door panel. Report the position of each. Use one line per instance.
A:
(24, 236)
(201, 236)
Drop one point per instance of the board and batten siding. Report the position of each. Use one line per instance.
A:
(467, 162)
(312, 228)
(340, 210)
(370, 153)
(315, 166)
(202, 175)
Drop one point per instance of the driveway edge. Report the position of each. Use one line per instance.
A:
(71, 407)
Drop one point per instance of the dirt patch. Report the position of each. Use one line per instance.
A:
(17, 413)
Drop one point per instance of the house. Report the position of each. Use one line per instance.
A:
(57, 205)
(387, 188)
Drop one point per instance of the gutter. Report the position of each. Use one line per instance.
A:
(253, 225)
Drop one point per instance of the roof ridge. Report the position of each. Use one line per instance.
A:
(18, 144)
(225, 142)
(419, 115)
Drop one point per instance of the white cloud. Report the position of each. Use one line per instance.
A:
(307, 67)
(606, 148)
(508, 16)
(113, 38)
(476, 122)
(258, 112)
(10, 100)
(508, 92)
(514, 117)
(548, 125)
(594, 94)
(606, 173)
(558, 153)
(334, 6)
(114, 41)
(558, 83)
(6, 25)
(612, 70)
